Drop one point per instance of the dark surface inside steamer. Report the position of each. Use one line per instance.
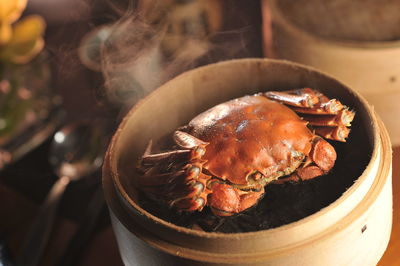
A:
(281, 204)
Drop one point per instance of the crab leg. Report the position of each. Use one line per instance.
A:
(183, 189)
(330, 107)
(343, 118)
(190, 195)
(150, 179)
(329, 117)
(335, 133)
(166, 157)
(305, 99)
(183, 186)
(302, 174)
(187, 141)
(193, 148)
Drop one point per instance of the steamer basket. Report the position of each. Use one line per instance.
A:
(353, 230)
(357, 41)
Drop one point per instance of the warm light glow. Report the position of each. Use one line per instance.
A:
(59, 137)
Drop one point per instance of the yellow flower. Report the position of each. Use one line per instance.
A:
(10, 11)
(20, 42)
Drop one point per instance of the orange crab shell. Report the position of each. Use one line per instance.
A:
(250, 134)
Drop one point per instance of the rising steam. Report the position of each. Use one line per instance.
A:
(150, 44)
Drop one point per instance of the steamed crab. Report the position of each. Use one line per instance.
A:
(226, 155)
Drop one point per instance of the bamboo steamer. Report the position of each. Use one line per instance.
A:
(357, 41)
(353, 230)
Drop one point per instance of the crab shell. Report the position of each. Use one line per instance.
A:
(249, 135)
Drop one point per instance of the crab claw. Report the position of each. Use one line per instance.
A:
(323, 154)
(322, 158)
(225, 200)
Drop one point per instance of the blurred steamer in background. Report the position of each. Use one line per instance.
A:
(358, 42)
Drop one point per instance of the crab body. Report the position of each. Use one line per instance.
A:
(229, 153)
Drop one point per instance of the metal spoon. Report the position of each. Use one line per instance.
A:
(76, 151)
